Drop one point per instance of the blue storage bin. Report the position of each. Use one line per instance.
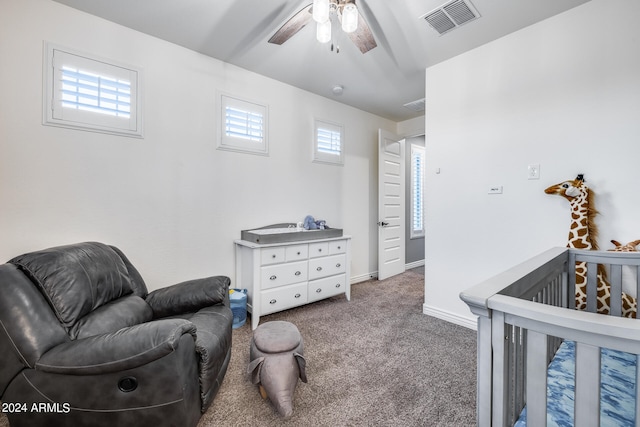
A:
(238, 299)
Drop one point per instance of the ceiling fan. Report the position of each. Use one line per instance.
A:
(322, 12)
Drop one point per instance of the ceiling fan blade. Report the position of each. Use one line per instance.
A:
(362, 36)
(292, 26)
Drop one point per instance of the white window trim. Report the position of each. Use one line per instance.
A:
(420, 151)
(243, 145)
(54, 114)
(328, 158)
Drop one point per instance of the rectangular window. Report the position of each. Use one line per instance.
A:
(417, 191)
(243, 126)
(328, 143)
(84, 92)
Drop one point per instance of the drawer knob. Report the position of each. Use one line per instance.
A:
(319, 269)
(338, 285)
(318, 290)
(273, 256)
(298, 252)
(298, 273)
(338, 265)
(339, 247)
(297, 296)
(274, 277)
(273, 301)
(320, 250)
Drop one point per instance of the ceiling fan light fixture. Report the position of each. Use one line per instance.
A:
(320, 11)
(323, 31)
(349, 18)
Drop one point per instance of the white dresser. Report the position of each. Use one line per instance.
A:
(286, 275)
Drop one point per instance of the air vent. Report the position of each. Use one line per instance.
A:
(415, 105)
(451, 15)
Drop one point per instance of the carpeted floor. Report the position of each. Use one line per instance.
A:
(374, 360)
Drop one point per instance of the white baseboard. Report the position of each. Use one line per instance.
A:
(363, 277)
(414, 264)
(467, 322)
(374, 274)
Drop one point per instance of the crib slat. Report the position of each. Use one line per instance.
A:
(499, 384)
(536, 383)
(565, 290)
(592, 287)
(638, 284)
(587, 397)
(616, 289)
(519, 372)
(485, 371)
(637, 394)
(571, 279)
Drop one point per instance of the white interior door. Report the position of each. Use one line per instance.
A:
(391, 205)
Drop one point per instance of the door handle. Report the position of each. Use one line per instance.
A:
(383, 223)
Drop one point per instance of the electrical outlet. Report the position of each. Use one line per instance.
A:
(533, 171)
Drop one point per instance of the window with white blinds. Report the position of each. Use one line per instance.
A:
(417, 191)
(243, 126)
(84, 92)
(328, 143)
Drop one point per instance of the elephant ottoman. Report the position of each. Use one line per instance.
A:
(276, 363)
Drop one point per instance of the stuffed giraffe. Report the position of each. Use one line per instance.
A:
(629, 247)
(629, 274)
(583, 235)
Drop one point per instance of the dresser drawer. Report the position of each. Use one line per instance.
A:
(283, 298)
(337, 247)
(318, 249)
(327, 266)
(327, 287)
(272, 276)
(297, 252)
(272, 256)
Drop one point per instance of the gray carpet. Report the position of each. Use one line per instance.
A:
(376, 360)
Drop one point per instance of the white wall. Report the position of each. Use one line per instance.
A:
(411, 127)
(171, 201)
(564, 93)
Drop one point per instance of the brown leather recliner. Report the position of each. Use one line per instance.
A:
(83, 343)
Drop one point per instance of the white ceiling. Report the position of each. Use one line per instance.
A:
(380, 81)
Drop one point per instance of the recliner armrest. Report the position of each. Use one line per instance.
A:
(189, 296)
(113, 352)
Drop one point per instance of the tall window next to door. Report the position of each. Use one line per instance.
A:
(417, 191)
(243, 126)
(84, 92)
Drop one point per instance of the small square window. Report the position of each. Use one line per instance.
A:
(243, 126)
(328, 143)
(84, 92)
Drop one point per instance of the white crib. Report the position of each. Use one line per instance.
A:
(525, 313)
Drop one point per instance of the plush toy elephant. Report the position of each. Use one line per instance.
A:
(277, 363)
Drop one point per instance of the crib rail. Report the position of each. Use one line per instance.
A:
(523, 318)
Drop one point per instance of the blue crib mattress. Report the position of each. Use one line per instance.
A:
(617, 394)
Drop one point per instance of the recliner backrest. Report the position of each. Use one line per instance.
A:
(87, 285)
(28, 327)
